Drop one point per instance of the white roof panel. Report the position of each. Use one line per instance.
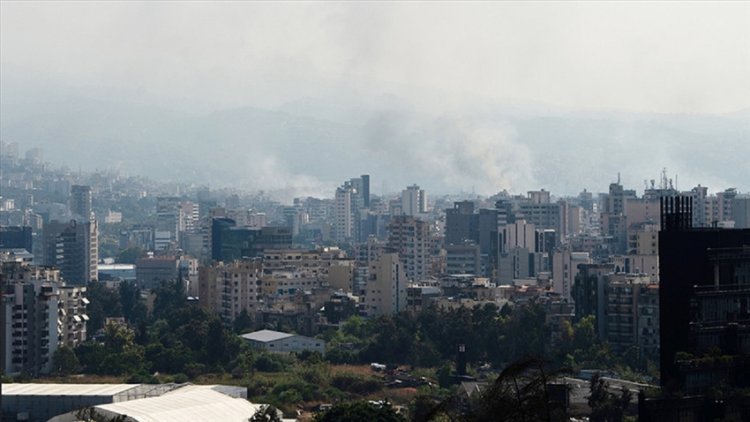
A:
(266, 335)
(37, 389)
(189, 403)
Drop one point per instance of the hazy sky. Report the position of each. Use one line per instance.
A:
(667, 57)
(413, 87)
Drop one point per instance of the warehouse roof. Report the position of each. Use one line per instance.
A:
(36, 389)
(265, 336)
(194, 402)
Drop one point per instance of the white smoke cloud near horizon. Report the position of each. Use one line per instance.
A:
(463, 155)
(423, 74)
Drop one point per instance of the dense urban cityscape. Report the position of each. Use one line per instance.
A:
(327, 211)
(404, 297)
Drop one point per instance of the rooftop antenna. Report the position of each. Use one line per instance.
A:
(618, 177)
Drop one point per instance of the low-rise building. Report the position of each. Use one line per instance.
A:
(276, 341)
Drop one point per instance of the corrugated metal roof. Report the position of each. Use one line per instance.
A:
(36, 389)
(190, 403)
(266, 335)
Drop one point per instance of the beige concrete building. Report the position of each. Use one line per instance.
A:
(285, 284)
(385, 292)
(643, 239)
(410, 238)
(228, 289)
(313, 263)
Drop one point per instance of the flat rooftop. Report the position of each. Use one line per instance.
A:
(36, 389)
(265, 336)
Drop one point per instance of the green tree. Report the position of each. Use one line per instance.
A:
(64, 361)
(104, 302)
(133, 306)
(520, 393)
(605, 406)
(358, 412)
(91, 354)
(123, 355)
(170, 297)
(243, 322)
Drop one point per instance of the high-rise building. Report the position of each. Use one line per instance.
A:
(565, 267)
(229, 242)
(385, 291)
(15, 237)
(229, 288)
(413, 201)
(80, 203)
(630, 315)
(410, 238)
(366, 190)
(625, 307)
(464, 259)
(741, 212)
(545, 215)
(170, 219)
(73, 248)
(38, 314)
(687, 268)
(343, 218)
(613, 218)
(461, 223)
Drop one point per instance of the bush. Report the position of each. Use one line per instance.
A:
(310, 357)
(142, 378)
(180, 378)
(268, 362)
(356, 384)
(358, 412)
(341, 356)
(314, 374)
(194, 369)
(258, 386)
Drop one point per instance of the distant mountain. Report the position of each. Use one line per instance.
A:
(310, 146)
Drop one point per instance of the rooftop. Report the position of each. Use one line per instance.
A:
(36, 389)
(266, 335)
(194, 402)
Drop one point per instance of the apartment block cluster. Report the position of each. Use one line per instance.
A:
(303, 266)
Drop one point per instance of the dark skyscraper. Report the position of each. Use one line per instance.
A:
(73, 248)
(460, 223)
(16, 238)
(687, 265)
(366, 189)
(229, 242)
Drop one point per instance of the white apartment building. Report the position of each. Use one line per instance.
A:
(413, 201)
(38, 314)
